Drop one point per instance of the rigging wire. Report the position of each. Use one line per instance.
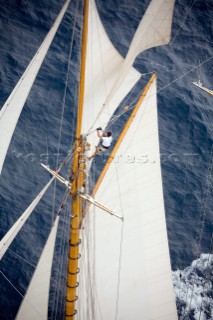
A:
(64, 101)
(59, 268)
(14, 287)
(159, 90)
(184, 19)
(121, 245)
(16, 254)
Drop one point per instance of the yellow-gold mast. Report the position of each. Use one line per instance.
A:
(77, 183)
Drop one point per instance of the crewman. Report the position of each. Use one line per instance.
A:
(105, 142)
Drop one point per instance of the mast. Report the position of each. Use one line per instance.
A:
(78, 177)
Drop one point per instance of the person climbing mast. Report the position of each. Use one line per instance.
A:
(105, 139)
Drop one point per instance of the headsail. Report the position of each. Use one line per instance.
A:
(109, 77)
(12, 108)
(132, 262)
(12, 233)
(35, 303)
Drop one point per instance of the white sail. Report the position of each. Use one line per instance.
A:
(12, 108)
(154, 30)
(132, 265)
(108, 76)
(12, 233)
(102, 65)
(35, 303)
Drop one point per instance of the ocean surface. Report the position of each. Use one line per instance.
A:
(185, 127)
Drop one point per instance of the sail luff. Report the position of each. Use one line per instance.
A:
(12, 233)
(35, 303)
(12, 108)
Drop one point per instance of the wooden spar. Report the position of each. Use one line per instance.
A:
(77, 184)
(199, 85)
(122, 135)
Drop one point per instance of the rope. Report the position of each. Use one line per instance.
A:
(121, 245)
(14, 287)
(184, 19)
(115, 118)
(16, 254)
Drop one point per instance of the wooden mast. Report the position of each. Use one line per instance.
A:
(78, 178)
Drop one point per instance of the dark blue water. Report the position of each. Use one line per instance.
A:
(185, 124)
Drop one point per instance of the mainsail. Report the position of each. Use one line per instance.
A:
(132, 262)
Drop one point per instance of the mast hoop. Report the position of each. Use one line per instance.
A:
(75, 228)
(79, 256)
(71, 315)
(76, 298)
(73, 273)
(72, 287)
(74, 244)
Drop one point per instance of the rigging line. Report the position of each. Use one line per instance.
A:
(121, 245)
(11, 284)
(167, 85)
(57, 283)
(47, 151)
(60, 266)
(14, 287)
(16, 254)
(63, 103)
(19, 292)
(123, 111)
(183, 75)
(184, 19)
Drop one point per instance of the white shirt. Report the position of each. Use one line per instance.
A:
(106, 141)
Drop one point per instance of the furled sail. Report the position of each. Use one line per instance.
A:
(35, 303)
(12, 233)
(132, 270)
(12, 108)
(109, 77)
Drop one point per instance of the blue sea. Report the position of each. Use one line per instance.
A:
(185, 126)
